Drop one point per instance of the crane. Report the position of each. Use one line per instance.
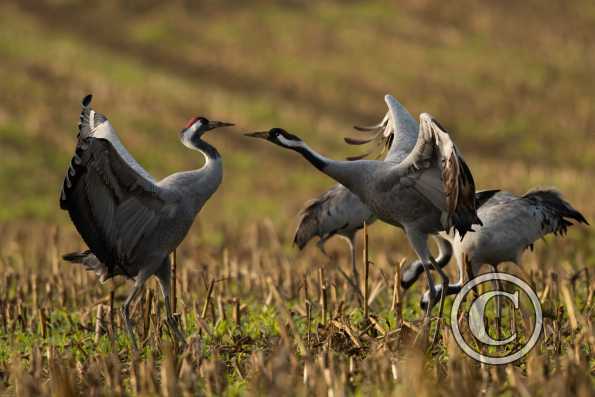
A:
(423, 186)
(511, 224)
(335, 212)
(130, 221)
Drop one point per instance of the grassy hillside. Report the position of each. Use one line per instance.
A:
(513, 83)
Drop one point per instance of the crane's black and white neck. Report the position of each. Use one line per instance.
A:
(344, 172)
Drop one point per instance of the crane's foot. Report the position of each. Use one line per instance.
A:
(445, 282)
(440, 312)
(421, 340)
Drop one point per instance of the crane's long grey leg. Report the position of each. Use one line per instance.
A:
(443, 293)
(320, 245)
(413, 271)
(353, 281)
(419, 242)
(355, 274)
(164, 278)
(454, 288)
(138, 286)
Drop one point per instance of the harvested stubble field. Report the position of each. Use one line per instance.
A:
(512, 81)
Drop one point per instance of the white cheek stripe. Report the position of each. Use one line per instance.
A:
(186, 139)
(289, 143)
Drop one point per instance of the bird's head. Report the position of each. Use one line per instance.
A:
(279, 137)
(197, 126)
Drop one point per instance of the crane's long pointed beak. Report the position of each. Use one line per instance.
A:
(219, 124)
(258, 134)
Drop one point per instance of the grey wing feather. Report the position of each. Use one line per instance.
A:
(440, 174)
(110, 204)
(337, 211)
(395, 135)
(90, 262)
(555, 213)
(512, 223)
(404, 129)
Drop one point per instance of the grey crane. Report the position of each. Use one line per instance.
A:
(335, 212)
(340, 212)
(130, 221)
(511, 224)
(383, 137)
(423, 186)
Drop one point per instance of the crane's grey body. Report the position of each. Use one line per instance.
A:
(336, 212)
(423, 186)
(414, 196)
(131, 222)
(511, 224)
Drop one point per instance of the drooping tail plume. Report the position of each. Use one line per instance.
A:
(89, 261)
(556, 212)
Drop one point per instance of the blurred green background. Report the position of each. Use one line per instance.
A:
(512, 81)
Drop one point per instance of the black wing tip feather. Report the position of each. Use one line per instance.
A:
(356, 141)
(465, 215)
(299, 244)
(468, 176)
(357, 157)
(76, 256)
(553, 200)
(482, 196)
(87, 100)
(73, 174)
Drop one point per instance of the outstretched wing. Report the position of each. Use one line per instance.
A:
(440, 174)
(336, 211)
(111, 204)
(395, 135)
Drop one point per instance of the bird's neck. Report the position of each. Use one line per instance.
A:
(344, 172)
(209, 152)
(209, 176)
